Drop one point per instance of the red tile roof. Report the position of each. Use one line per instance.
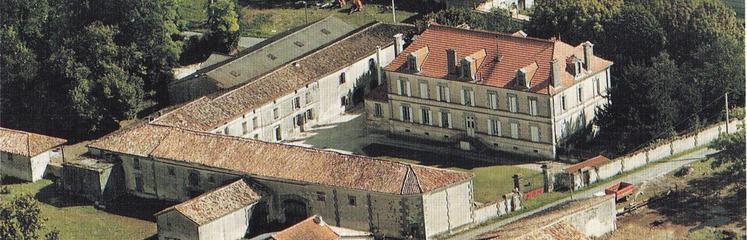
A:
(217, 203)
(591, 162)
(278, 161)
(26, 143)
(311, 228)
(513, 52)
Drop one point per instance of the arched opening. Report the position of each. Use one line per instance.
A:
(294, 211)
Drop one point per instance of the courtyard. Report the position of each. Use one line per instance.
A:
(347, 134)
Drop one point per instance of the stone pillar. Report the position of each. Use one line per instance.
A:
(517, 183)
(549, 179)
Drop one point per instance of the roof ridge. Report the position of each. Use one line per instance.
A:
(190, 103)
(417, 179)
(194, 199)
(491, 32)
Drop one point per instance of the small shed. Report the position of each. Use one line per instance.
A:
(98, 180)
(582, 173)
(222, 213)
(25, 155)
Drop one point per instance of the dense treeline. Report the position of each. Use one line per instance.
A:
(674, 60)
(498, 20)
(75, 68)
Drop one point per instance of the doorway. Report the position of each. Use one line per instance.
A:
(470, 126)
(294, 211)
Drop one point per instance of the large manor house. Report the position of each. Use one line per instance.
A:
(221, 154)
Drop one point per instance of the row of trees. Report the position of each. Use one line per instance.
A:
(75, 68)
(674, 59)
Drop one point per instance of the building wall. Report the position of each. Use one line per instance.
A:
(448, 209)
(173, 225)
(16, 166)
(596, 220)
(481, 111)
(324, 101)
(385, 214)
(39, 165)
(579, 113)
(230, 227)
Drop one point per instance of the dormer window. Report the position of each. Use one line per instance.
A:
(412, 62)
(521, 78)
(575, 65)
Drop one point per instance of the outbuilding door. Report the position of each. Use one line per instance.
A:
(294, 210)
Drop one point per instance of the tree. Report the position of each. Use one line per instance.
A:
(102, 89)
(20, 219)
(28, 17)
(224, 26)
(639, 30)
(731, 154)
(574, 21)
(499, 20)
(20, 90)
(643, 105)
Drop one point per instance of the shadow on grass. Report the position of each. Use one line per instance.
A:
(709, 201)
(429, 158)
(135, 207)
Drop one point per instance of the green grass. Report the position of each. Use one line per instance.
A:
(491, 180)
(738, 6)
(259, 19)
(76, 219)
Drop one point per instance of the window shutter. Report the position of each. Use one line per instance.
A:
(491, 127)
(438, 93)
(399, 87)
(448, 95)
(464, 92)
(430, 117)
(451, 123)
(407, 85)
(402, 113)
(498, 128)
(440, 123)
(472, 98)
(424, 90)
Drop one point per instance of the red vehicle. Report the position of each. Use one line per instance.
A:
(621, 190)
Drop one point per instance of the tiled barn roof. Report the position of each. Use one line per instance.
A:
(591, 162)
(311, 228)
(505, 54)
(216, 203)
(26, 143)
(279, 161)
(213, 111)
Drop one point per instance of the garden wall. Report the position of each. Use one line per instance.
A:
(656, 152)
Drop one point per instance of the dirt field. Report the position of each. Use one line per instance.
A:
(696, 203)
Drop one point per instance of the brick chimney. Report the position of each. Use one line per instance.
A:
(451, 60)
(588, 54)
(399, 43)
(555, 69)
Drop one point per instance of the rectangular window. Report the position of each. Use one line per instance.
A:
(171, 171)
(596, 91)
(495, 127)
(194, 178)
(321, 196)
(513, 106)
(534, 131)
(245, 127)
(296, 102)
(562, 102)
(378, 112)
(533, 106)
(352, 201)
(278, 134)
(309, 114)
(136, 163)
(275, 113)
(515, 130)
(406, 114)
(139, 184)
(255, 123)
(445, 119)
(404, 87)
(468, 97)
(308, 97)
(493, 100)
(425, 116)
(227, 131)
(424, 90)
(580, 94)
(443, 94)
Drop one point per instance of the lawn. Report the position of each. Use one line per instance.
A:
(738, 6)
(490, 179)
(77, 219)
(260, 19)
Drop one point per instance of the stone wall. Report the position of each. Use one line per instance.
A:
(595, 220)
(16, 166)
(172, 225)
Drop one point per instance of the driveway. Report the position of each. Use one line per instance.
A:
(652, 172)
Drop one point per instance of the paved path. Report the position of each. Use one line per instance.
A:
(651, 172)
